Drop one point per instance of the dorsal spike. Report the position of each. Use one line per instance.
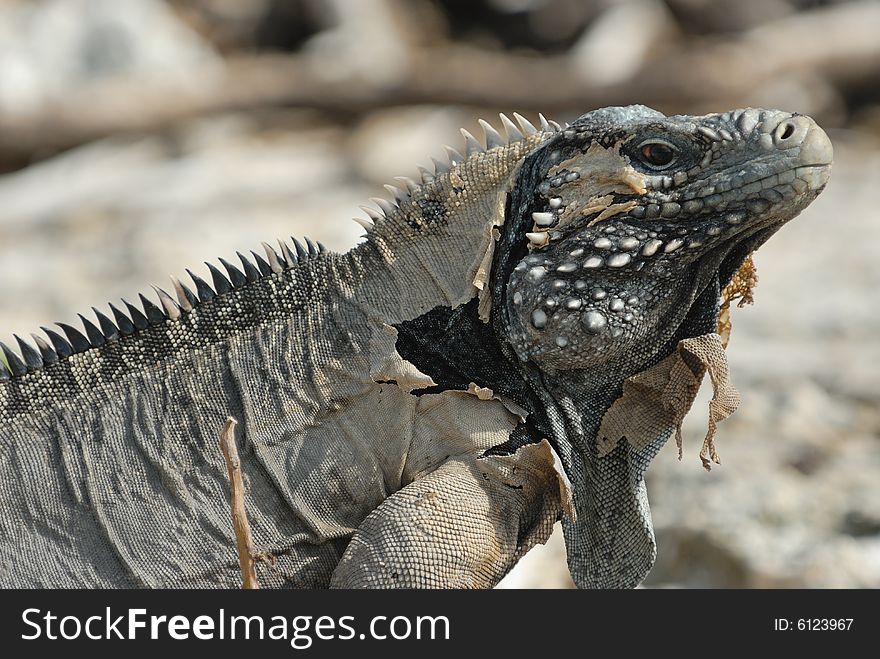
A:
(272, 255)
(387, 207)
(169, 306)
(301, 251)
(16, 366)
(32, 358)
(46, 351)
(399, 195)
(137, 317)
(528, 128)
(62, 346)
(93, 334)
(372, 213)
(454, 156)
(545, 125)
(123, 322)
(427, 177)
(154, 314)
(471, 144)
(322, 249)
(203, 289)
(410, 185)
(75, 337)
(15, 363)
(366, 224)
(4, 372)
(185, 297)
(493, 137)
(221, 283)
(290, 258)
(250, 270)
(556, 126)
(313, 248)
(236, 276)
(108, 329)
(513, 133)
(439, 167)
(262, 266)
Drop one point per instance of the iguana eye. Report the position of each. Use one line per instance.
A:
(657, 155)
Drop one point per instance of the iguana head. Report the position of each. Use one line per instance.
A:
(627, 215)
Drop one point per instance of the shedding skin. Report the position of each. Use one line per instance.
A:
(428, 404)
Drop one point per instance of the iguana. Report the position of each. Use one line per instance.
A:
(512, 344)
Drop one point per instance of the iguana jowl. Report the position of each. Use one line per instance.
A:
(515, 340)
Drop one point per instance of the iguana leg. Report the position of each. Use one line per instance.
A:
(463, 525)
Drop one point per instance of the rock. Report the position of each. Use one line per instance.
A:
(52, 48)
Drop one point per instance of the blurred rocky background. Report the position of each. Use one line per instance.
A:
(138, 137)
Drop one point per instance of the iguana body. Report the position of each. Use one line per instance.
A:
(420, 410)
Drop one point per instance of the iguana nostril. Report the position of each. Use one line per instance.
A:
(791, 132)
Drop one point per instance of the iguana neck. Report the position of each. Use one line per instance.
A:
(612, 522)
(434, 248)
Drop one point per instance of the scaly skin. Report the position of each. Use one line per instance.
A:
(395, 401)
(604, 300)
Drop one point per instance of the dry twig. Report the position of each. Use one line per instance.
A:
(243, 540)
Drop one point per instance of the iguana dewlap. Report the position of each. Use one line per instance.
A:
(519, 334)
